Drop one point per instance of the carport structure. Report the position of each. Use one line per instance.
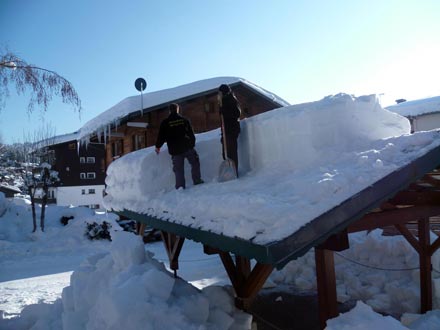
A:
(410, 193)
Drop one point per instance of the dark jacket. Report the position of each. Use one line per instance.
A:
(177, 132)
(230, 109)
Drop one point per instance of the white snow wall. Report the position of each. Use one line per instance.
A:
(295, 137)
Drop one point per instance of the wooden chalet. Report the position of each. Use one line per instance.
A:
(137, 128)
(409, 194)
(81, 171)
(423, 114)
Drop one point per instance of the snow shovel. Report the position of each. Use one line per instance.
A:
(227, 170)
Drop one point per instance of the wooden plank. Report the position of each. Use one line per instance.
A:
(430, 197)
(435, 246)
(336, 242)
(228, 263)
(256, 279)
(409, 237)
(396, 216)
(326, 282)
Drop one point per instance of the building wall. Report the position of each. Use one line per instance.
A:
(69, 166)
(426, 122)
(73, 195)
(202, 111)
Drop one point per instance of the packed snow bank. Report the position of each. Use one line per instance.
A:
(3, 204)
(296, 163)
(362, 317)
(127, 289)
(386, 291)
(380, 271)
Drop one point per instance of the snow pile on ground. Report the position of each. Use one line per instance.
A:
(362, 317)
(119, 285)
(295, 162)
(382, 271)
(128, 289)
(3, 204)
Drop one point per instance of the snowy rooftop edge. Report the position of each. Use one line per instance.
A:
(417, 107)
(131, 104)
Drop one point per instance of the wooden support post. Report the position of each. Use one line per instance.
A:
(173, 246)
(326, 282)
(141, 228)
(425, 266)
(246, 282)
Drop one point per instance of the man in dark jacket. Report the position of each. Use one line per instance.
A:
(230, 111)
(177, 132)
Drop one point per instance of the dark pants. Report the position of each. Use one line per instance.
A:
(232, 131)
(179, 167)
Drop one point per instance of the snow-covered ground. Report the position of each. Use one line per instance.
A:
(115, 283)
(122, 284)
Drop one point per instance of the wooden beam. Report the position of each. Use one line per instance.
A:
(396, 216)
(228, 263)
(430, 197)
(336, 242)
(425, 266)
(409, 237)
(173, 246)
(326, 282)
(246, 282)
(435, 246)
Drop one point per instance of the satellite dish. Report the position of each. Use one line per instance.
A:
(140, 84)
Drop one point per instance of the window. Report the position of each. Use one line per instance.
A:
(82, 175)
(90, 160)
(72, 146)
(138, 141)
(82, 160)
(91, 175)
(117, 148)
(83, 191)
(91, 191)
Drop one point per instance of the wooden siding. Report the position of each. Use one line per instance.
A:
(69, 167)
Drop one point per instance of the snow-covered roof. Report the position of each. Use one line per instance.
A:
(295, 164)
(100, 123)
(65, 138)
(11, 188)
(57, 140)
(417, 107)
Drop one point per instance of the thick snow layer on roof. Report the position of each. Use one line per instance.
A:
(296, 163)
(100, 123)
(417, 107)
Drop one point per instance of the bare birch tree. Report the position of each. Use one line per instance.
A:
(41, 83)
(39, 176)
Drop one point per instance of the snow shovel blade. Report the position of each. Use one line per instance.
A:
(227, 171)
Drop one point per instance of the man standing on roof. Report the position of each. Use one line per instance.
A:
(230, 112)
(178, 133)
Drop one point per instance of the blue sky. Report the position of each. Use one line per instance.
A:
(300, 50)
